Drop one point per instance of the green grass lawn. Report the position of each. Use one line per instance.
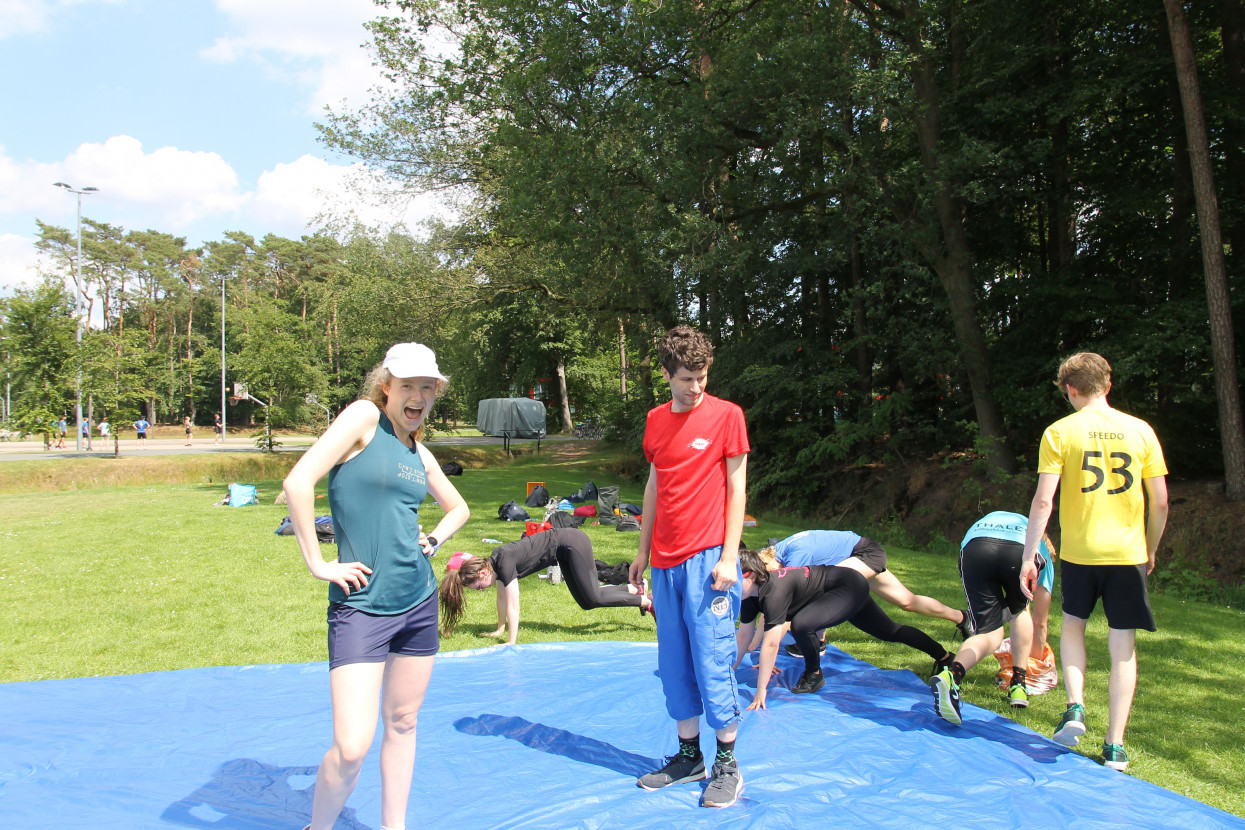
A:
(122, 579)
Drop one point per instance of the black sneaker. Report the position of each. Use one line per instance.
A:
(965, 626)
(679, 768)
(725, 785)
(795, 651)
(810, 682)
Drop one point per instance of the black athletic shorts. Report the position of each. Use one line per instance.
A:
(359, 637)
(871, 553)
(990, 571)
(1125, 598)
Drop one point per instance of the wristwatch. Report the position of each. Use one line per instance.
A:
(432, 540)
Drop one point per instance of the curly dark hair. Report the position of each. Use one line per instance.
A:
(685, 346)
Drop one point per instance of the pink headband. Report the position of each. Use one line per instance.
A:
(458, 559)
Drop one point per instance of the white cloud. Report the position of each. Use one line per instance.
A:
(312, 189)
(21, 17)
(18, 260)
(167, 188)
(196, 194)
(318, 41)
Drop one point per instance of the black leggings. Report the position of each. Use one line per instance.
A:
(847, 600)
(874, 621)
(579, 569)
(846, 591)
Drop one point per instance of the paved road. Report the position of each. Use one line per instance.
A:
(33, 450)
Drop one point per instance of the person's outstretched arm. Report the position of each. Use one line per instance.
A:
(511, 592)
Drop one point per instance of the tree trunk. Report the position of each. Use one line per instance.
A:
(1223, 346)
(1231, 16)
(622, 360)
(953, 262)
(567, 426)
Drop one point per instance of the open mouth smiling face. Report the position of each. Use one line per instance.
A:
(409, 400)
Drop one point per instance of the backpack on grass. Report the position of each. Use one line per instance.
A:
(511, 512)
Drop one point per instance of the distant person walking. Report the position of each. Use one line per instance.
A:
(141, 426)
(186, 422)
(217, 427)
(1109, 470)
(105, 428)
(62, 429)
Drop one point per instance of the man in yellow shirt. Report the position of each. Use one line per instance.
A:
(1109, 469)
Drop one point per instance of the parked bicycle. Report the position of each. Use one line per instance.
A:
(588, 431)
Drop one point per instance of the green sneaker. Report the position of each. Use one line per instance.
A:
(946, 696)
(1114, 756)
(1072, 727)
(1017, 697)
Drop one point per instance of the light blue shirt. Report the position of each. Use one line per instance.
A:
(1011, 527)
(816, 547)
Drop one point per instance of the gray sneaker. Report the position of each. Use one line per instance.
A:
(725, 785)
(965, 626)
(677, 769)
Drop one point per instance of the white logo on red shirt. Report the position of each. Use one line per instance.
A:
(700, 444)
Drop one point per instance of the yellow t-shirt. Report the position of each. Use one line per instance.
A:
(1102, 455)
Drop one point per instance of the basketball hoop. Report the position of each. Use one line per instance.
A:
(233, 401)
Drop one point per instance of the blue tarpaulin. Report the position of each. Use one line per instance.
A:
(546, 736)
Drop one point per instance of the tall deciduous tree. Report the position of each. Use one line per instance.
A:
(1223, 343)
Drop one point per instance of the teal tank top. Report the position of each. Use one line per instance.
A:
(375, 499)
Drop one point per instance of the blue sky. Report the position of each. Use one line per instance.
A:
(193, 117)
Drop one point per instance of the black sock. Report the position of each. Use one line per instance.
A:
(690, 746)
(957, 671)
(1019, 676)
(726, 751)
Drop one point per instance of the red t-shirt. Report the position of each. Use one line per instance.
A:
(689, 452)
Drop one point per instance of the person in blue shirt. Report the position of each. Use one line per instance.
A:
(991, 556)
(141, 426)
(851, 550)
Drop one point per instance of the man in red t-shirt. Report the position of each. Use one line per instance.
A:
(697, 447)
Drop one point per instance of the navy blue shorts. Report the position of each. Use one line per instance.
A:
(1123, 590)
(359, 637)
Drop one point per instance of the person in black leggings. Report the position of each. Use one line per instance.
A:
(568, 547)
(812, 598)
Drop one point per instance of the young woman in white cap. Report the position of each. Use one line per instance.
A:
(382, 595)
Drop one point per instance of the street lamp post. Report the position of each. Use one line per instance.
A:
(314, 400)
(222, 359)
(79, 301)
